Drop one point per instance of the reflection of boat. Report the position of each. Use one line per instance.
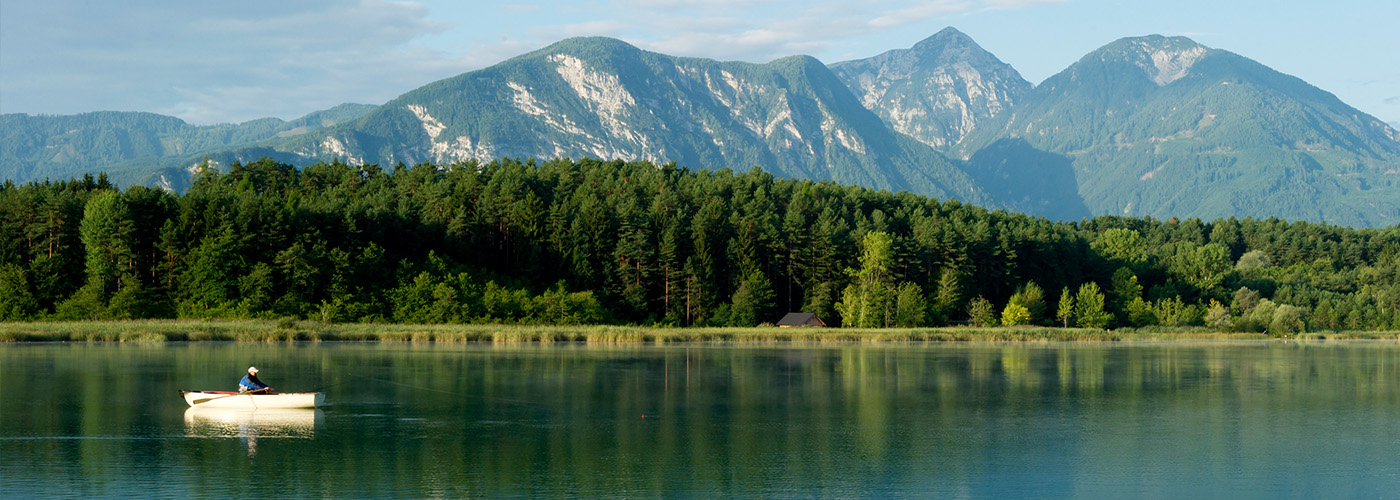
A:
(267, 423)
(251, 401)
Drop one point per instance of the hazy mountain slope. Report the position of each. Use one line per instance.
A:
(938, 91)
(1142, 126)
(604, 98)
(1167, 127)
(37, 147)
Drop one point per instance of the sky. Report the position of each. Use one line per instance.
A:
(228, 62)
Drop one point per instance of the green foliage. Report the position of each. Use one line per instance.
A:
(207, 285)
(1089, 307)
(1174, 312)
(1065, 309)
(16, 300)
(1125, 245)
(560, 307)
(1015, 314)
(911, 309)
(1125, 292)
(1202, 266)
(1031, 298)
(949, 299)
(87, 304)
(1140, 313)
(1245, 300)
(752, 302)
(564, 242)
(1259, 317)
(1218, 317)
(1287, 320)
(106, 234)
(131, 301)
(871, 300)
(981, 312)
(1254, 260)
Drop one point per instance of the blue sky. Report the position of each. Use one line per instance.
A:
(212, 62)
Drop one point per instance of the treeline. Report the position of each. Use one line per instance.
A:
(568, 242)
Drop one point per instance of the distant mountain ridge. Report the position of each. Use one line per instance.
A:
(1167, 127)
(1156, 126)
(604, 98)
(45, 146)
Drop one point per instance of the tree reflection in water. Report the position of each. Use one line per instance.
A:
(417, 420)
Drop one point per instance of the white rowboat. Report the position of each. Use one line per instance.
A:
(253, 401)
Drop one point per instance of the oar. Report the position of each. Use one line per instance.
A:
(206, 400)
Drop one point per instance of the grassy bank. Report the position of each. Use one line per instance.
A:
(288, 330)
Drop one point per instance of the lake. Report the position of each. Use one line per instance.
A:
(404, 420)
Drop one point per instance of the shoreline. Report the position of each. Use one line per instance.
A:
(302, 331)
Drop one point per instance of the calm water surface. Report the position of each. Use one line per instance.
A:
(1178, 420)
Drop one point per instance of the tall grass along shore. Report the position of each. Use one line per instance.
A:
(291, 330)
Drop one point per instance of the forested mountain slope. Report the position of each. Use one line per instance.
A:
(1167, 127)
(129, 145)
(602, 98)
(1149, 126)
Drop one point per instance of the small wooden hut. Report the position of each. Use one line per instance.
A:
(801, 319)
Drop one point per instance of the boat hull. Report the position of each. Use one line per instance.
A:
(223, 399)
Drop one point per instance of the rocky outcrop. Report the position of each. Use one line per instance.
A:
(938, 91)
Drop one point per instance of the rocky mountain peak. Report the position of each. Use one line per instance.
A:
(1163, 59)
(604, 98)
(938, 90)
(949, 46)
(1151, 125)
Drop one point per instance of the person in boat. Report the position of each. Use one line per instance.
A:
(250, 382)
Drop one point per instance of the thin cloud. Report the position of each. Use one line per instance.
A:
(754, 33)
(237, 61)
(218, 62)
(918, 13)
(763, 31)
(1019, 4)
(590, 28)
(693, 5)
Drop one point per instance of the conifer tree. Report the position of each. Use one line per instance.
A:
(1065, 311)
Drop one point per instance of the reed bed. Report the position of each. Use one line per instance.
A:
(1350, 335)
(290, 330)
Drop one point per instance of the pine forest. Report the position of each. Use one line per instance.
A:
(596, 242)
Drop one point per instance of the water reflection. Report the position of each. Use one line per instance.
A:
(250, 425)
(1173, 420)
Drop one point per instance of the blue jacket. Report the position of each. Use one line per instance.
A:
(250, 382)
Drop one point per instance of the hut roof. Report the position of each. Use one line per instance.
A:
(800, 319)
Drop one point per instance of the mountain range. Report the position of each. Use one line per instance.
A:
(129, 146)
(1145, 126)
(1167, 127)
(603, 98)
